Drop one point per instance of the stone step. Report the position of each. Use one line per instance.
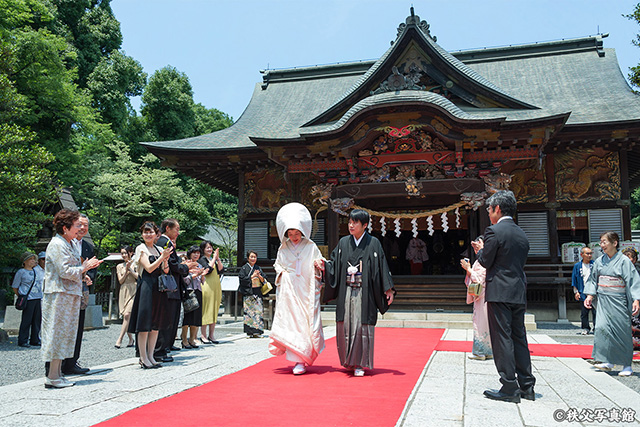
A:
(426, 320)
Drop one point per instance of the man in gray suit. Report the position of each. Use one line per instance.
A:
(504, 254)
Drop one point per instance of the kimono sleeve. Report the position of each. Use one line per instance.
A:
(591, 284)
(384, 281)
(331, 275)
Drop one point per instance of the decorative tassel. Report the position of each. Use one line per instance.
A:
(430, 225)
(445, 222)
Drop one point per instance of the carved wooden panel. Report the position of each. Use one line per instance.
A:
(587, 175)
(266, 190)
(528, 182)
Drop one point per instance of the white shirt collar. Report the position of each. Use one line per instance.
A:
(504, 217)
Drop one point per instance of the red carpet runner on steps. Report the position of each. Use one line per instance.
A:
(267, 394)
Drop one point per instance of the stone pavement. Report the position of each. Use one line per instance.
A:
(449, 393)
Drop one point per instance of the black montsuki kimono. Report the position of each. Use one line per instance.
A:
(376, 277)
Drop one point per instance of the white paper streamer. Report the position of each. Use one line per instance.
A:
(457, 217)
(414, 227)
(445, 222)
(397, 223)
(370, 226)
(383, 229)
(430, 225)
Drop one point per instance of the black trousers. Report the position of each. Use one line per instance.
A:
(31, 320)
(68, 364)
(166, 337)
(584, 316)
(509, 345)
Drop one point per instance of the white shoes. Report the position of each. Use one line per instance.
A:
(358, 372)
(61, 382)
(626, 372)
(299, 369)
(603, 366)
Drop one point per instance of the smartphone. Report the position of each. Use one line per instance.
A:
(466, 259)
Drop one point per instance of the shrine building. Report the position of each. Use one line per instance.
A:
(419, 138)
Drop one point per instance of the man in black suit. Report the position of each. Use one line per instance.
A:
(170, 229)
(504, 254)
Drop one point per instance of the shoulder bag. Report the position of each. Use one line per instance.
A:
(190, 303)
(21, 302)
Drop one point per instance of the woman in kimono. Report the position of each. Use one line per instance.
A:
(63, 274)
(251, 277)
(481, 339)
(297, 327)
(616, 284)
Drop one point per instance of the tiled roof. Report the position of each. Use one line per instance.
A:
(575, 76)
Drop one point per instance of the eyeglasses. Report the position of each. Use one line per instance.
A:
(489, 209)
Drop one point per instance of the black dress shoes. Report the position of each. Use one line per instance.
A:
(528, 393)
(174, 348)
(165, 359)
(504, 397)
(75, 370)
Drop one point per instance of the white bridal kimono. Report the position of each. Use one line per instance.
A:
(297, 327)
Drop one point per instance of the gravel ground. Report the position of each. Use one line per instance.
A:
(19, 364)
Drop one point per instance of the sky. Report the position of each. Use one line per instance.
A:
(222, 45)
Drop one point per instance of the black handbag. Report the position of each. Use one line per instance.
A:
(190, 303)
(167, 283)
(21, 301)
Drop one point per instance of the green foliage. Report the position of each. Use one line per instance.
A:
(114, 80)
(25, 188)
(210, 120)
(65, 89)
(167, 105)
(91, 28)
(634, 74)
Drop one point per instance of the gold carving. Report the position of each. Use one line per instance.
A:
(587, 175)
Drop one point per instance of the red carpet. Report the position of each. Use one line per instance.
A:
(267, 394)
(549, 350)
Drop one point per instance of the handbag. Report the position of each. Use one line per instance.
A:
(474, 289)
(266, 287)
(190, 303)
(21, 301)
(167, 283)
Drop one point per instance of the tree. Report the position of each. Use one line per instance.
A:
(91, 29)
(25, 190)
(112, 83)
(25, 183)
(167, 105)
(210, 119)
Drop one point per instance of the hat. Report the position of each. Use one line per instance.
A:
(26, 255)
(42, 254)
(293, 216)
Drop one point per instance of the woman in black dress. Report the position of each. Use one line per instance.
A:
(148, 313)
(251, 277)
